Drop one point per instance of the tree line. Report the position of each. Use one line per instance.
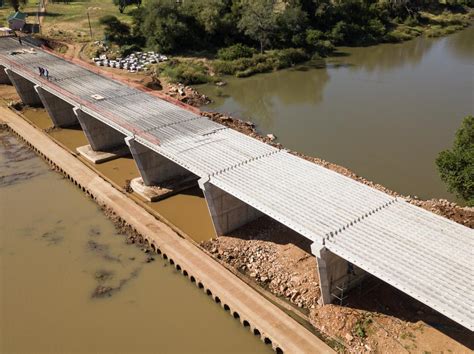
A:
(177, 25)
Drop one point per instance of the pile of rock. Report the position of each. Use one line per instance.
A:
(272, 267)
(135, 62)
(187, 94)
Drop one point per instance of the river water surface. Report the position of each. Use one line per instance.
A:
(384, 111)
(57, 249)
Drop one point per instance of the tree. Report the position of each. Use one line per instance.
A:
(122, 4)
(166, 26)
(456, 166)
(115, 30)
(259, 20)
(16, 3)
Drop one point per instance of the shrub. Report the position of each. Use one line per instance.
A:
(456, 166)
(260, 63)
(235, 51)
(129, 49)
(187, 73)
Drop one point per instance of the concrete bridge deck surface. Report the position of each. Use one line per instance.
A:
(408, 247)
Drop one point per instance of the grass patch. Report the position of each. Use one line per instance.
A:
(260, 63)
(187, 72)
(361, 328)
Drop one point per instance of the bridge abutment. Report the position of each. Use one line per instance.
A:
(228, 213)
(61, 112)
(25, 88)
(4, 79)
(336, 275)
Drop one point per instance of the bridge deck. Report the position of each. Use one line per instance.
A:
(418, 252)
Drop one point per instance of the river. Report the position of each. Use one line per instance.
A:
(57, 249)
(384, 111)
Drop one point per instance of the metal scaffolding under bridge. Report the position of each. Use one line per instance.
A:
(422, 254)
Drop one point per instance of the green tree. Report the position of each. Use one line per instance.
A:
(259, 20)
(116, 31)
(167, 26)
(122, 4)
(456, 166)
(16, 3)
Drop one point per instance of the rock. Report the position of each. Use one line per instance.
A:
(149, 259)
(221, 83)
(271, 137)
(349, 338)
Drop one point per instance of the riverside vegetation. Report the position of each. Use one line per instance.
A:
(244, 37)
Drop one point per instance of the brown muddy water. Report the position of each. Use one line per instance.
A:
(186, 210)
(384, 111)
(57, 249)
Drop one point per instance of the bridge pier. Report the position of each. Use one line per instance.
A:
(154, 168)
(336, 275)
(160, 176)
(106, 143)
(61, 112)
(25, 88)
(4, 79)
(228, 213)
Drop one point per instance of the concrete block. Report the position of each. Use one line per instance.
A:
(155, 193)
(25, 89)
(97, 157)
(100, 136)
(61, 112)
(154, 168)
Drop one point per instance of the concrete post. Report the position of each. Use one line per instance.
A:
(154, 168)
(61, 112)
(25, 88)
(335, 273)
(4, 79)
(228, 213)
(100, 136)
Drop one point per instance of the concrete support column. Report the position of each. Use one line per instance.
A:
(154, 168)
(100, 136)
(25, 88)
(336, 275)
(228, 213)
(4, 79)
(61, 112)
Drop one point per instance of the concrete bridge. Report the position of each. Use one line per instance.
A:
(354, 229)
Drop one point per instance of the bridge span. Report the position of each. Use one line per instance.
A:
(354, 229)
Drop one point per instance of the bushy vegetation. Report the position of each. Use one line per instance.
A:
(456, 166)
(188, 72)
(253, 36)
(235, 51)
(260, 63)
(172, 26)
